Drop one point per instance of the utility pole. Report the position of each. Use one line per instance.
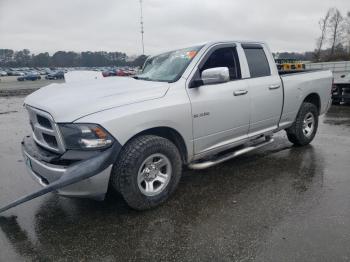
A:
(141, 23)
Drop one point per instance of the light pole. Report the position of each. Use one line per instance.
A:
(142, 31)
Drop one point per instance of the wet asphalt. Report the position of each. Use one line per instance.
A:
(279, 203)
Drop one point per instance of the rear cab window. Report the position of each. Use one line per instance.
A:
(257, 60)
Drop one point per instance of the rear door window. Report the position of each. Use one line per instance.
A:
(257, 61)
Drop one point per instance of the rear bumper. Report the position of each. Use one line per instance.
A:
(95, 186)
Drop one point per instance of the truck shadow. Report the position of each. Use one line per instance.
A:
(226, 208)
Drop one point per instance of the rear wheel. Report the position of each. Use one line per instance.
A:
(304, 129)
(147, 171)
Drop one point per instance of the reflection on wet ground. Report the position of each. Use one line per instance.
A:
(280, 203)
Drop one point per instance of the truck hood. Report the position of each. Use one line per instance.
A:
(69, 101)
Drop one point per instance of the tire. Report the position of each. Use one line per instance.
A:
(131, 178)
(299, 134)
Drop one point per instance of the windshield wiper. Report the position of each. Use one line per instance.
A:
(149, 79)
(142, 78)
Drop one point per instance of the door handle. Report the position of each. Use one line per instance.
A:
(272, 87)
(240, 92)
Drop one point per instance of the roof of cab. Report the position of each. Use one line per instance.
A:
(233, 41)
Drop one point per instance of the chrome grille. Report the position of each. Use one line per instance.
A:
(45, 130)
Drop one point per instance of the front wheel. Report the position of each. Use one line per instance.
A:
(147, 171)
(304, 129)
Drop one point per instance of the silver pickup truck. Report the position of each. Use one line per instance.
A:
(196, 106)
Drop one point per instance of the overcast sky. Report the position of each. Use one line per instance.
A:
(114, 25)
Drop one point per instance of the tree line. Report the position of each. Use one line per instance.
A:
(305, 56)
(334, 41)
(24, 58)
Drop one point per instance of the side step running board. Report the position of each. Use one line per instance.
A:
(213, 162)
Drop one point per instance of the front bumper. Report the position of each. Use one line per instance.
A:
(44, 168)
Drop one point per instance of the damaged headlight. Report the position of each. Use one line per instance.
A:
(85, 136)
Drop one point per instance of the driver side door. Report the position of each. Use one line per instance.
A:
(220, 111)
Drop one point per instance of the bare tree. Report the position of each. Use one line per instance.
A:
(336, 29)
(348, 32)
(323, 23)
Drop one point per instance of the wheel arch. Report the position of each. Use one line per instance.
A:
(315, 99)
(168, 133)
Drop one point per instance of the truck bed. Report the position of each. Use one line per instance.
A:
(295, 87)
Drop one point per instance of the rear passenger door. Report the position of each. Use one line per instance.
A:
(265, 89)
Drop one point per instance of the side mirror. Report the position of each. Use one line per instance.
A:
(215, 75)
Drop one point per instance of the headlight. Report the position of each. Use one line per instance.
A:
(85, 136)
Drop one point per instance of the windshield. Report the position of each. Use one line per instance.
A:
(168, 67)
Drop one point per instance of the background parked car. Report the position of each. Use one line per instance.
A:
(122, 72)
(42, 72)
(14, 73)
(30, 77)
(9, 72)
(3, 73)
(108, 73)
(55, 75)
